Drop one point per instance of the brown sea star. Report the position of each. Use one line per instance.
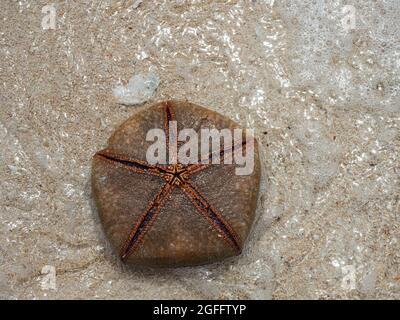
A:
(174, 176)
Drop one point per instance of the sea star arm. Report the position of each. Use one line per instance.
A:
(128, 163)
(195, 167)
(171, 133)
(145, 221)
(212, 215)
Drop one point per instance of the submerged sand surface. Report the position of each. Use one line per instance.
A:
(321, 92)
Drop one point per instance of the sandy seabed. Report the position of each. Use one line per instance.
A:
(318, 81)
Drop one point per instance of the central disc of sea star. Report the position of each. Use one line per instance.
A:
(176, 174)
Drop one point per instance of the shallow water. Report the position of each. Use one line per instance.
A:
(317, 80)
